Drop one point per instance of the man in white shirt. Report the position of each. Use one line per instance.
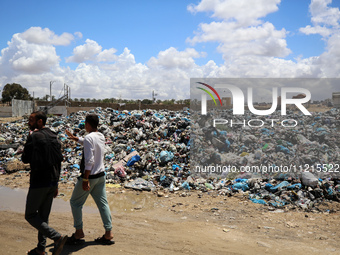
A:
(91, 181)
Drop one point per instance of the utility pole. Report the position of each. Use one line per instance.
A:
(153, 96)
(33, 103)
(51, 82)
(66, 92)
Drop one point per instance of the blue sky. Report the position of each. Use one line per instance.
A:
(105, 49)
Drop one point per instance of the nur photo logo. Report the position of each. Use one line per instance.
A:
(238, 99)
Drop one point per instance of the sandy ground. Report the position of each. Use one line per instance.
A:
(175, 223)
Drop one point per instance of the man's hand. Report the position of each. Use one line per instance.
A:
(86, 185)
(56, 193)
(71, 136)
(20, 150)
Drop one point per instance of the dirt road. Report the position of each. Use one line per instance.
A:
(176, 223)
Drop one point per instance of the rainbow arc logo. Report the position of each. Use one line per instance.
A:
(209, 93)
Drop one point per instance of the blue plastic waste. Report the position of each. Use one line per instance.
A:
(109, 156)
(223, 133)
(133, 160)
(76, 166)
(276, 204)
(57, 123)
(240, 185)
(294, 186)
(330, 191)
(281, 148)
(258, 201)
(185, 185)
(272, 188)
(159, 116)
(241, 180)
(166, 156)
(174, 166)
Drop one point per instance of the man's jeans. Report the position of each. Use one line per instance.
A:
(98, 193)
(38, 208)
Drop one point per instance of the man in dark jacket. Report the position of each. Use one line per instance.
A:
(43, 183)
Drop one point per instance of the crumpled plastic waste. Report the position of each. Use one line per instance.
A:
(148, 149)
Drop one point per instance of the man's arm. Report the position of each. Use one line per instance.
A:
(73, 137)
(86, 183)
(89, 162)
(28, 149)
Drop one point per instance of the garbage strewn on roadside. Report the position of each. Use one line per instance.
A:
(150, 150)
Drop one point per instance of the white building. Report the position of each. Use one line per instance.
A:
(336, 99)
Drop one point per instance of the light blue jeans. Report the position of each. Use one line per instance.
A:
(98, 193)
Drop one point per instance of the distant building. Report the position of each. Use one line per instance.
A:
(226, 103)
(302, 96)
(336, 99)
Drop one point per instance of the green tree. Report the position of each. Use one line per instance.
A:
(147, 101)
(14, 91)
(131, 101)
(45, 98)
(169, 102)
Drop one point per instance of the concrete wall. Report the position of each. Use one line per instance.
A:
(56, 110)
(129, 107)
(22, 107)
(77, 109)
(336, 99)
(6, 111)
(86, 106)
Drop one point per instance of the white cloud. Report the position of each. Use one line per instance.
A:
(243, 12)
(26, 57)
(241, 32)
(309, 30)
(79, 34)
(323, 14)
(92, 51)
(85, 52)
(172, 58)
(37, 35)
(107, 55)
(325, 19)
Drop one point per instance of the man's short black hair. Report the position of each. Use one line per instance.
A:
(93, 120)
(40, 115)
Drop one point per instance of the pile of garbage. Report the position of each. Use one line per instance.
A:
(279, 161)
(143, 145)
(151, 150)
